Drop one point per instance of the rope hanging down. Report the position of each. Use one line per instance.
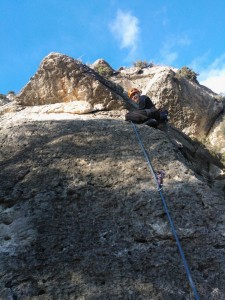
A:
(168, 215)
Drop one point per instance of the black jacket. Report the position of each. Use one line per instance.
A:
(145, 103)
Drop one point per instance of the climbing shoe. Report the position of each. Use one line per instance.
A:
(152, 123)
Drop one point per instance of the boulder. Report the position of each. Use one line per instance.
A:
(102, 67)
(63, 79)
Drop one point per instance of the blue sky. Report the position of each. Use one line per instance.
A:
(174, 33)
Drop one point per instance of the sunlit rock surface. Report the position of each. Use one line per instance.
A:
(81, 218)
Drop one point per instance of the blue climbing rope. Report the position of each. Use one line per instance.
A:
(168, 215)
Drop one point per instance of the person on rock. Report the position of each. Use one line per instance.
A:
(145, 111)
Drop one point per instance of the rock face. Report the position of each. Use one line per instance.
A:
(81, 218)
(80, 213)
(102, 67)
(216, 136)
(3, 100)
(192, 107)
(62, 79)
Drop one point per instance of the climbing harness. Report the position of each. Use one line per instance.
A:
(158, 177)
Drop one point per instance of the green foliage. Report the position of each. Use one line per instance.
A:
(187, 73)
(104, 70)
(143, 64)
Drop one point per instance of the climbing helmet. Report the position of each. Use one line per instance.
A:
(132, 92)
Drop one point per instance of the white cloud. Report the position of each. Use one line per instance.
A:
(168, 54)
(214, 75)
(215, 80)
(199, 61)
(125, 29)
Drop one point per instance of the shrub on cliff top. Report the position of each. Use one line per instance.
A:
(188, 74)
(143, 64)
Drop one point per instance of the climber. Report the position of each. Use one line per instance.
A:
(145, 112)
